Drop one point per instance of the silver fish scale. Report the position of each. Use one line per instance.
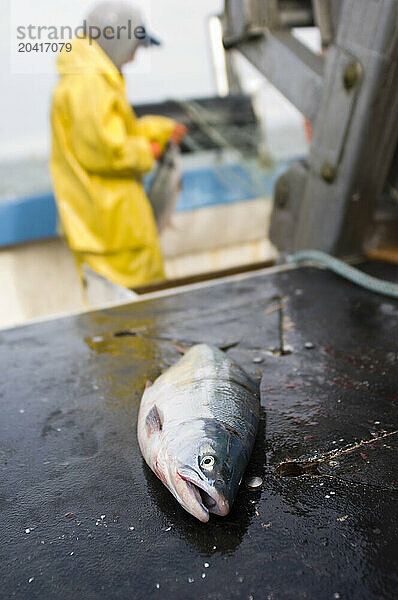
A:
(231, 403)
(214, 386)
(206, 384)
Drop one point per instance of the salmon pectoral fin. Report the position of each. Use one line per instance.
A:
(153, 421)
(181, 349)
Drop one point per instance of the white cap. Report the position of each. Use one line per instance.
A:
(118, 27)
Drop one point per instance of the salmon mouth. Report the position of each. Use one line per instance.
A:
(202, 500)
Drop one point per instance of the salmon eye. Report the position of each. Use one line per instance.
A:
(207, 462)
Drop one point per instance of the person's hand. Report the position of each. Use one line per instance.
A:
(179, 132)
(156, 150)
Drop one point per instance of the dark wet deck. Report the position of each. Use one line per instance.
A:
(81, 516)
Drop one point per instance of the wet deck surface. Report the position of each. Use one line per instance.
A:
(81, 516)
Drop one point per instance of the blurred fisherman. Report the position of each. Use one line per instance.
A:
(101, 150)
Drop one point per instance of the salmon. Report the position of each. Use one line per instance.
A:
(197, 425)
(166, 186)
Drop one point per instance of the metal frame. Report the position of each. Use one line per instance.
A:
(279, 55)
(330, 201)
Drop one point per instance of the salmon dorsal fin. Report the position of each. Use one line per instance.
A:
(153, 421)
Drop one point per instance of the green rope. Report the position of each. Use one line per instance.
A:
(379, 286)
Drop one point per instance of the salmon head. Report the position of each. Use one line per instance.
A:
(202, 463)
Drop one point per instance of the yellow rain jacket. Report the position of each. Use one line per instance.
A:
(100, 151)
